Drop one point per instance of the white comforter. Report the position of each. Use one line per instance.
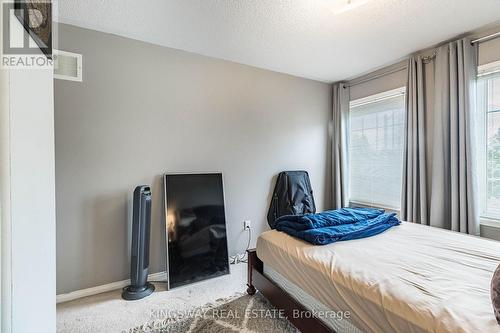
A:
(411, 278)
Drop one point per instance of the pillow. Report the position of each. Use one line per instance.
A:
(495, 293)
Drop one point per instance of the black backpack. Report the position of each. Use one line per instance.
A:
(292, 195)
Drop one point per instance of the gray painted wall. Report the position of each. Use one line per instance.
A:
(143, 110)
(381, 84)
(489, 51)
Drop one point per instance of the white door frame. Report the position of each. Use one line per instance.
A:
(27, 200)
(5, 218)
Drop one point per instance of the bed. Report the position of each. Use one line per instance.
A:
(411, 278)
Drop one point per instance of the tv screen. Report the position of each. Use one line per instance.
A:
(195, 228)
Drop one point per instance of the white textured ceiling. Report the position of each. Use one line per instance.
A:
(299, 37)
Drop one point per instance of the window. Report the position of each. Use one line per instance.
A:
(488, 99)
(376, 138)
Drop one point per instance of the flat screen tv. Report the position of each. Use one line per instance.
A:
(195, 226)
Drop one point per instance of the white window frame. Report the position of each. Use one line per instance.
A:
(378, 97)
(488, 69)
(485, 72)
(401, 91)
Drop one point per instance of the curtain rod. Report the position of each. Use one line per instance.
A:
(486, 38)
(373, 77)
(427, 58)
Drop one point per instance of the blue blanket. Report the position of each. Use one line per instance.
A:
(328, 218)
(337, 225)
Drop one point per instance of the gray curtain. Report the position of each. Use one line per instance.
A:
(445, 194)
(414, 194)
(339, 136)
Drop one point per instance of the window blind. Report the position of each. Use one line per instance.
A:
(376, 149)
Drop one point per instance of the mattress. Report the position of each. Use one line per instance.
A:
(411, 278)
(336, 321)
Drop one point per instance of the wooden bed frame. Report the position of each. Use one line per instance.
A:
(280, 298)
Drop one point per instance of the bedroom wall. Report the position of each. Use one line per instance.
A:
(384, 83)
(489, 51)
(143, 110)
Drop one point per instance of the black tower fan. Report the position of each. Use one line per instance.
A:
(140, 286)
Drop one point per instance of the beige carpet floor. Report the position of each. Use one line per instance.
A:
(108, 313)
(250, 314)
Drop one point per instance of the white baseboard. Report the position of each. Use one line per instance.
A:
(105, 288)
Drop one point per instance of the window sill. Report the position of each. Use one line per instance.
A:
(489, 222)
(374, 205)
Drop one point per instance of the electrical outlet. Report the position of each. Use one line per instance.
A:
(247, 224)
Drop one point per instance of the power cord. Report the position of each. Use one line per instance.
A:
(236, 259)
(242, 257)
